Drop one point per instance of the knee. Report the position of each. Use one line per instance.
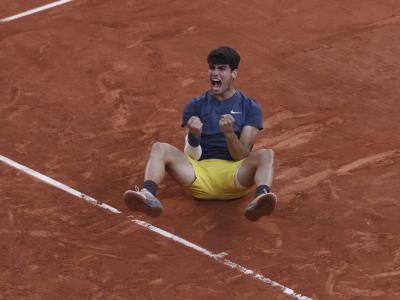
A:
(159, 148)
(266, 155)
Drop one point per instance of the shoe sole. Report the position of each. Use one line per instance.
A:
(265, 206)
(136, 203)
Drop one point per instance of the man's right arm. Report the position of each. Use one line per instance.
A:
(193, 130)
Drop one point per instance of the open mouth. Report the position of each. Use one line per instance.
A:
(216, 83)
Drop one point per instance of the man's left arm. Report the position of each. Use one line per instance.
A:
(239, 148)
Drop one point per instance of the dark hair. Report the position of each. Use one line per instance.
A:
(224, 56)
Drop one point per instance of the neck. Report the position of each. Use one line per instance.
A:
(229, 93)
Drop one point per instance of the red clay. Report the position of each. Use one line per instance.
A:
(88, 87)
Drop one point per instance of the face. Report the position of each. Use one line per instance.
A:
(221, 80)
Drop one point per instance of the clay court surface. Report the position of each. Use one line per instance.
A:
(87, 87)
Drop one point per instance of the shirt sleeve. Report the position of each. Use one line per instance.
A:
(254, 115)
(188, 112)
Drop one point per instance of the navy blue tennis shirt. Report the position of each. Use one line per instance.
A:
(209, 109)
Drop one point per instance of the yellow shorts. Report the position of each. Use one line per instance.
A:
(215, 179)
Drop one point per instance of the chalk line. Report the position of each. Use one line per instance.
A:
(34, 10)
(56, 184)
(219, 257)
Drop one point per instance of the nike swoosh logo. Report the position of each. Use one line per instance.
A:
(235, 112)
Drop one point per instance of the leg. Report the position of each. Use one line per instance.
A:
(163, 157)
(256, 169)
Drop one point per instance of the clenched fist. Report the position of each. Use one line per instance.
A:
(195, 126)
(227, 124)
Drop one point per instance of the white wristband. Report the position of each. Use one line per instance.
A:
(193, 152)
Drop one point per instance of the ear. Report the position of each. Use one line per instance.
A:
(234, 74)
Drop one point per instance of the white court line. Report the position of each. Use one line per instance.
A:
(217, 257)
(35, 10)
(56, 184)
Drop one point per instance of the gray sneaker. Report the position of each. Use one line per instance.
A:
(262, 205)
(143, 201)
